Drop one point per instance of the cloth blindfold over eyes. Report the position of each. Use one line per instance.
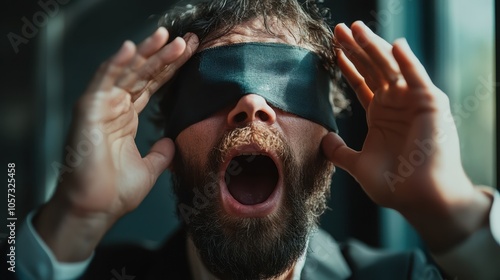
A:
(287, 77)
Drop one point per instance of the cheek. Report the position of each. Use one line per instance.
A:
(304, 137)
(196, 141)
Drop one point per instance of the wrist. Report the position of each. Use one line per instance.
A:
(70, 234)
(446, 223)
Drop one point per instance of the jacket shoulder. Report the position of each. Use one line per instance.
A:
(120, 261)
(327, 259)
(371, 263)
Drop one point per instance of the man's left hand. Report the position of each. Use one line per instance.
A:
(410, 160)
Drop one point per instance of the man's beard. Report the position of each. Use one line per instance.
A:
(255, 247)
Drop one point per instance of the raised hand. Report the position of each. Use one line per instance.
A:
(113, 178)
(410, 160)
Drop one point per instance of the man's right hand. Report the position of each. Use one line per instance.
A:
(112, 178)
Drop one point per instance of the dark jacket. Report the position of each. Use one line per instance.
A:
(325, 260)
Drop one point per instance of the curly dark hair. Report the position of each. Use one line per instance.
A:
(306, 20)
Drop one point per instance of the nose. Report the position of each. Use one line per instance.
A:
(250, 108)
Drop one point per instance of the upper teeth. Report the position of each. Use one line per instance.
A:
(251, 154)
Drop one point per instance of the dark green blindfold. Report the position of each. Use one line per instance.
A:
(288, 77)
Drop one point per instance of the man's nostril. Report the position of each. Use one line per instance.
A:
(240, 117)
(263, 116)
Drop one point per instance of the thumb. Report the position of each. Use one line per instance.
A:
(336, 151)
(159, 157)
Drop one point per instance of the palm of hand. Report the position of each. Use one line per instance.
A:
(411, 152)
(114, 178)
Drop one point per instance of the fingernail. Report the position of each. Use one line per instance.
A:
(365, 27)
(403, 43)
(191, 38)
(187, 36)
(118, 56)
(124, 45)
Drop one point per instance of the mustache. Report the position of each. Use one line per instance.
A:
(252, 248)
(265, 137)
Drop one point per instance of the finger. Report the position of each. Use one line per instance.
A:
(355, 80)
(339, 154)
(136, 80)
(118, 120)
(374, 85)
(175, 57)
(109, 71)
(359, 57)
(159, 158)
(378, 49)
(191, 45)
(153, 43)
(148, 48)
(413, 71)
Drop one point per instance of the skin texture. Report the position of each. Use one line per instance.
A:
(402, 105)
(198, 139)
(114, 178)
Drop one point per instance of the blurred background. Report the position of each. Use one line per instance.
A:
(51, 48)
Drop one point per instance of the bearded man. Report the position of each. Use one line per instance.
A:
(252, 142)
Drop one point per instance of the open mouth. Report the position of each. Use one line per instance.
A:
(253, 180)
(252, 183)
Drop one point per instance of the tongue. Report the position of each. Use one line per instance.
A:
(253, 179)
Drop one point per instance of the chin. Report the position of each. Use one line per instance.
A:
(265, 203)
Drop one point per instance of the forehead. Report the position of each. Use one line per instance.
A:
(254, 30)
